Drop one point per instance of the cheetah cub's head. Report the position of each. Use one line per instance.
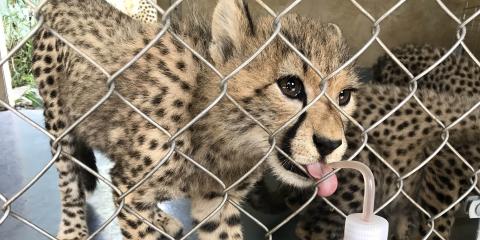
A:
(278, 84)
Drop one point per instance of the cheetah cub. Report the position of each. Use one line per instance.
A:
(170, 85)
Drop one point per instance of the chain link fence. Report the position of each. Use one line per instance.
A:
(7, 201)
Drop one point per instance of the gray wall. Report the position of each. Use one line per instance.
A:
(416, 21)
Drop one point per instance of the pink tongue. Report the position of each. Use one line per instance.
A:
(327, 187)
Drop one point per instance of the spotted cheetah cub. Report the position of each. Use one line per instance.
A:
(170, 85)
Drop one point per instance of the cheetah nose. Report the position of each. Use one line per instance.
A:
(325, 146)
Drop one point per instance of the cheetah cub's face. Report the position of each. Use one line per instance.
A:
(278, 84)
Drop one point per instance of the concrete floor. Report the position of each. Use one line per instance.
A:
(20, 160)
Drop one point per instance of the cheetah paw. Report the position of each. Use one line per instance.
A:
(171, 225)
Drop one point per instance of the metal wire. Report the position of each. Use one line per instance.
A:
(272, 133)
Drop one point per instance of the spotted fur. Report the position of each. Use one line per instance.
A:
(146, 12)
(457, 74)
(170, 85)
(404, 140)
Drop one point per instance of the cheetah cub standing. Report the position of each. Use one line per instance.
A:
(171, 86)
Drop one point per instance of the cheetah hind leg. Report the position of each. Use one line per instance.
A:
(73, 223)
(72, 183)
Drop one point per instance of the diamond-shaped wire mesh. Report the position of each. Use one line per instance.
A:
(7, 201)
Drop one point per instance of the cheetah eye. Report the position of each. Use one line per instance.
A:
(344, 96)
(291, 86)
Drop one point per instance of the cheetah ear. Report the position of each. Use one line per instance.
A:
(231, 25)
(336, 29)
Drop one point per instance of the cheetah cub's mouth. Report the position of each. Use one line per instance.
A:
(319, 170)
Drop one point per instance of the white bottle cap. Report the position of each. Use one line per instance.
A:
(358, 229)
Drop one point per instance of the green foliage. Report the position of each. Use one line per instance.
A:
(32, 96)
(18, 21)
